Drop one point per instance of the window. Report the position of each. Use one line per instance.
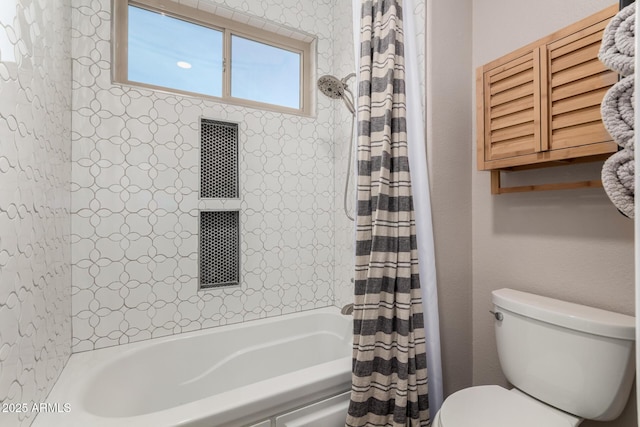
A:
(264, 73)
(161, 44)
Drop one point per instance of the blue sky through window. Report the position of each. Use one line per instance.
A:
(264, 73)
(173, 53)
(158, 42)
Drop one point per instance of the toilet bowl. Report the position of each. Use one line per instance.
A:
(494, 406)
(541, 346)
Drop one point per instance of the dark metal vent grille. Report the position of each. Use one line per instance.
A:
(219, 249)
(218, 159)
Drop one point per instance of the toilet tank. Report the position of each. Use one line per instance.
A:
(576, 358)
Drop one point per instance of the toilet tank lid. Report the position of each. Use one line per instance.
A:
(566, 314)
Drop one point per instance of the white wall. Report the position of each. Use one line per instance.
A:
(35, 170)
(449, 100)
(570, 245)
(135, 202)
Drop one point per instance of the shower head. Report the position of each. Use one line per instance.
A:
(331, 86)
(335, 88)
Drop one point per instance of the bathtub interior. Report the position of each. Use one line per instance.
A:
(195, 366)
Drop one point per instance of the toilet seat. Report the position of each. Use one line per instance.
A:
(494, 406)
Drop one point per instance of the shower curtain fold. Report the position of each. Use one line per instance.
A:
(389, 357)
(416, 140)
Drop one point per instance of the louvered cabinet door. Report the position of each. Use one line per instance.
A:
(540, 104)
(576, 83)
(512, 108)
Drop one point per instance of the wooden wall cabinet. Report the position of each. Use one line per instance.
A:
(540, 105)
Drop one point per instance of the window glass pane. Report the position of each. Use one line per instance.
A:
(264, 73)
(169, 52)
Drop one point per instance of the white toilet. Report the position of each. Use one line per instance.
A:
(568, 363)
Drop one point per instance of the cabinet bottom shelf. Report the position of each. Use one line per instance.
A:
(496, 187)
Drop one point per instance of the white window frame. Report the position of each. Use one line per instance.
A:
(120, 37)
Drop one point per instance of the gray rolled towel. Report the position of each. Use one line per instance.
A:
(617, 111)
(618, 42)
(618, 180)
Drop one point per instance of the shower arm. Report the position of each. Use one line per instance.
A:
(347, 77)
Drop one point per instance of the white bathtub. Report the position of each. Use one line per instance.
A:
(235, 375)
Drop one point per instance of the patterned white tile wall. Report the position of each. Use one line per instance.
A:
(344, 64)
(420, 26)
(35, 172)
(135, 205)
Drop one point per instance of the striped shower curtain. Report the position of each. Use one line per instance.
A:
(389, 354)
